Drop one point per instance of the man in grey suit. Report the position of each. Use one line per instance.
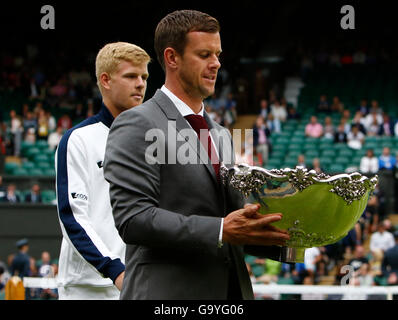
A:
(184, 231)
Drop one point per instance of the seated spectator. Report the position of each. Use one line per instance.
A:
(316, 165)
(381, 239)
(30, 122)
(359, 258)
(363, 107)
(55, 137)
(390, 262)
(34, 196)
(16, 132)
(369, 163)
(11, 195)
(374, 113)
(292, 113)
(340, 135)
(386, 128)
(3, 190)
(359, 121)
(329, 129)
(42, 125)
(274, 125)
(355, 138)
(373, 127)
(314, 128)
(65, 122)
(301, 161)
(337, 105)
(264, 110)
(279, 112)
(323, 105)
(260, 140)
(386, 160)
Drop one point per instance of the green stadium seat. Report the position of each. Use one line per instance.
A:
(10, 167)
(49, 172)
(48, 196)
(43, 165)
(20, 172)
(312, 154)
(336, 168)
(41, 144)
(32, 152)
(36, 172)
(331, 153)
(39, 158)
(342, 160)
(28, 165)
(346, 153)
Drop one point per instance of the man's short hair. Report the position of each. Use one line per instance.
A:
(110, 56)
(171, 31)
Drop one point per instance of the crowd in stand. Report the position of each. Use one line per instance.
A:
(22, 264)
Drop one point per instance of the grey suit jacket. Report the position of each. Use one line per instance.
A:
(169, 214)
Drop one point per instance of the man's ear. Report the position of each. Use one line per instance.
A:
(104, 79)
(171, 57)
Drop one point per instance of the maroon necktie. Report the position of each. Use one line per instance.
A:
(199, 124)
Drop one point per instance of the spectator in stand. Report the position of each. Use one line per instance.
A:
(16, 132)
(340, 136)
(359, 258)
(311, 258)
(363, 107)
(374, 112)
(274, 125)
(54, 138)
(316, 165)
(264, 110)
(279, 112)
(381, 239)
(390, 262)
(323, 105)
(30, 122)
(34, 196)
(52, 123)
(42, 125)
(292, 113)
(260, 140)
(359, 121)
(355, 138)
(3, 190)
(329, 129)
(369, 163)
(373, 128)
(314, 128)
(337, 105)
(301, 161)
(386, 160)
(64, 122)
(11, 196)
(386, 128)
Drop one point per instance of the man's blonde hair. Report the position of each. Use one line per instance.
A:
(110, 56)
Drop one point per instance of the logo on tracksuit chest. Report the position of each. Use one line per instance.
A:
(79, 196)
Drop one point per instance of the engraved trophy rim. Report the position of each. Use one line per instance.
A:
(349, 188)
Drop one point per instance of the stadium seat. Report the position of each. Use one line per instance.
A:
(336, 168)
(35, 172)
(10, 167)
(20, 172)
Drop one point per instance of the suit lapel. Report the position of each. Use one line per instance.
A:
(173, 114)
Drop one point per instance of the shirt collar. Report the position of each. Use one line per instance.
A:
(105, 116)
(181, 106)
